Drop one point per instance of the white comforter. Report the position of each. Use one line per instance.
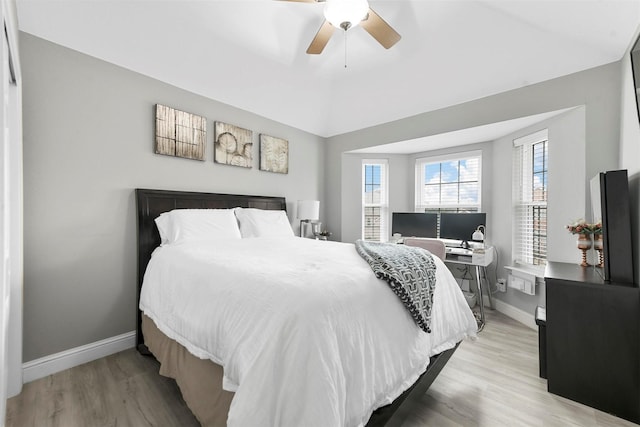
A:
(306, 334)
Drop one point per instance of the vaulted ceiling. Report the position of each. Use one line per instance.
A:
(251, 53)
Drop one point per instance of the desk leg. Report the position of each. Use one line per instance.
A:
(484, 272)
(481, 298)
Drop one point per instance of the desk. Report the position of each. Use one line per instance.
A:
(480, 261)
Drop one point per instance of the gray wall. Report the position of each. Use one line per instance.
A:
(598, 89)
(88, 142)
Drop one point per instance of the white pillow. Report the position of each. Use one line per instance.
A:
(263, 223)
(197, 225)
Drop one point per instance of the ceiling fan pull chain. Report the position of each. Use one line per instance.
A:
(345, 49)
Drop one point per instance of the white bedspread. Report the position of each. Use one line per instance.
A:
(306, 334)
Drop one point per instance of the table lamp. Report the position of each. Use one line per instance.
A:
(478, 235)
(307, 212)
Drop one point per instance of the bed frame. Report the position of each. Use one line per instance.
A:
(151, 203)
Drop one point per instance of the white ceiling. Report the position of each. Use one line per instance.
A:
(250, 53)
(486, 133)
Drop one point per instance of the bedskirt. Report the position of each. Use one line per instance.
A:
(200, 380)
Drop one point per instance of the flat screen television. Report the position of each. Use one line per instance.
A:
(460, 226)
(610, 203)
(414, 224)
(635, 68)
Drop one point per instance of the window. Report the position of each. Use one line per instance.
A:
(375, 200)
(449, 183)
(530, 180)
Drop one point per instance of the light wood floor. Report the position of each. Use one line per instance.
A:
(490, 382)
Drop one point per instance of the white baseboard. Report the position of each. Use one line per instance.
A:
(53, 363)
(528, 319)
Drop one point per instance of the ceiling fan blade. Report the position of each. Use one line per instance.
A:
(321, 39)
(380, 30)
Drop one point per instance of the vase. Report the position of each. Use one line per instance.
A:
(584, 244)
(597, 245)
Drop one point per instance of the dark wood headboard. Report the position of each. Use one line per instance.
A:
(151, 203)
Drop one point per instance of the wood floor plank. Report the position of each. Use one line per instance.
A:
(492, 381)
(124, 389)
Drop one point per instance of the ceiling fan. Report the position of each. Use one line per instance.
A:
(347, 14)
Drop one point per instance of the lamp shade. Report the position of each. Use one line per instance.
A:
(352, 12)
(478, 234)
(308, 209)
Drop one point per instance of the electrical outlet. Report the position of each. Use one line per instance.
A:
(502, 285)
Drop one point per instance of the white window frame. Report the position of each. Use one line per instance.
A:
(420, 206)
(384, 197)
(523, 233)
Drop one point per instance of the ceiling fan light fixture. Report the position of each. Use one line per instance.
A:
(345, 14)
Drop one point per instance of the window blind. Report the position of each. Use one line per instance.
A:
(375, 200)
(530, 181)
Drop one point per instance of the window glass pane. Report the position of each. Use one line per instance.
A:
(432, 173)
(450, 171)
(376, 175)
(539, 171)
(539, 157)
(372, 222)
(468, 193)
(539, 189)
(368, 195)
(372, 178)
(469, 169)
(450, 182)
(449, 194)
(375, 194)
(431, 195)
(539, 235)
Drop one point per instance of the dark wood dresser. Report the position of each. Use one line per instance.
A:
(593, 340)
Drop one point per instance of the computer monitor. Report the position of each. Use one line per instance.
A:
(460, 226)
(414, 224)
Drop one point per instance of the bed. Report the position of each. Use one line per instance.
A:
(268, 374)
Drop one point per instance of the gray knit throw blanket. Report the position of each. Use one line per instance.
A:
(409, 271)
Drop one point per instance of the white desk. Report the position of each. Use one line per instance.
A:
(479, 261)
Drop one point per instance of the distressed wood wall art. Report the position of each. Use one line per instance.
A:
(233, 145)
(274, 154)
(179, 133)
